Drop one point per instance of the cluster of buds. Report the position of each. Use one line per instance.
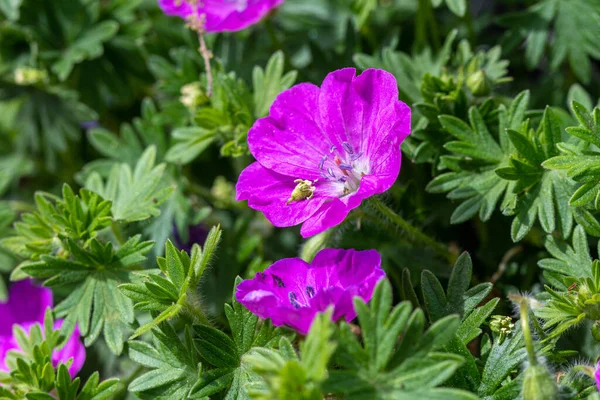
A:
(192, 96)
(503, 326)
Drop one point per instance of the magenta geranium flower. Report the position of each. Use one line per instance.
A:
(26, 306)
(291, 292)
(321, 151)
(221, 15)
(597, 375)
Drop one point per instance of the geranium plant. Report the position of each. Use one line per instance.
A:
(299, 200)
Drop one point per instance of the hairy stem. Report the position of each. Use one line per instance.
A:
(413, 232)
(524, 310)
(193, 307)
(206, 55)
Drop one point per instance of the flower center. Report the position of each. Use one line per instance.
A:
(344, 168)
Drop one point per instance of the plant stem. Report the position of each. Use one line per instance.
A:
(415, 233)
(193, 308)
(527, 333)
(469, 21)
(124, 384)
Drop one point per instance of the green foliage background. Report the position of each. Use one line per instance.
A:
(112, 155)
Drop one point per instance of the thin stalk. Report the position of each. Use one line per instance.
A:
(468, 18)
(124, 384)
(414, 232)
(527, 333)
(192, 307)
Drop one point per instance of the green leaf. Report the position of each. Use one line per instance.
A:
(458, 7)
(95, 304)
(87, 46)
(269, 83)
(216, 347)
(137, 194)
(395, 354)
(175, 369)
(56, 220)
(10, 8)
(189, 143)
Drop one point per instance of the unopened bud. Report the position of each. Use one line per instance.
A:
(315, 244)
(192, 95)
(479, 84)
(539, 384)
(28, 76)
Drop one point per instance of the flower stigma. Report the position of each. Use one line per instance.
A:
(304, 190)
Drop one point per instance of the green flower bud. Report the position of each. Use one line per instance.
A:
(479, 84)
(223, 192)
(28, 76)
(192, 95)
(315, 244)
(539, 384)
(503, 326)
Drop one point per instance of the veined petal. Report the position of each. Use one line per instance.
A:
(350, 106)
(229, 16)
(330, 214)
(291, 292)
(290, 141)
(341, 110)
(222, 15)
(176, 8)
(268, 191)
(385, 136)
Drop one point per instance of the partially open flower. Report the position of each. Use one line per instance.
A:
(291, 292)
(26, 306)
(321, 151)
(221, 15)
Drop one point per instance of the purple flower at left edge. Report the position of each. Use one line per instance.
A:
(291, 292)
(597, 375)
(221, 15)
(322, 150)
(26, 306)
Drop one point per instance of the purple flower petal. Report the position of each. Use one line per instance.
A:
(222, 15)
(27, 303)
(597, 375)
(343, 137)
(290, 141)
(73, 348)
(291, 292)
(269, 192)
(26, 306)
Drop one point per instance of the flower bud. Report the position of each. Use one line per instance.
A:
(538, 384)
(28, 76)
(315, 244)
(479, 84)
(192, 95)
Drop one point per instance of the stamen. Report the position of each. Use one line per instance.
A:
(322, 161)
(293, 301)
(347, 147)
(310, 291)
(332, 149)
(330, 171)
(342, 179)
(324, 176)
(356, 156)
(346, 167)
(278, 280)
